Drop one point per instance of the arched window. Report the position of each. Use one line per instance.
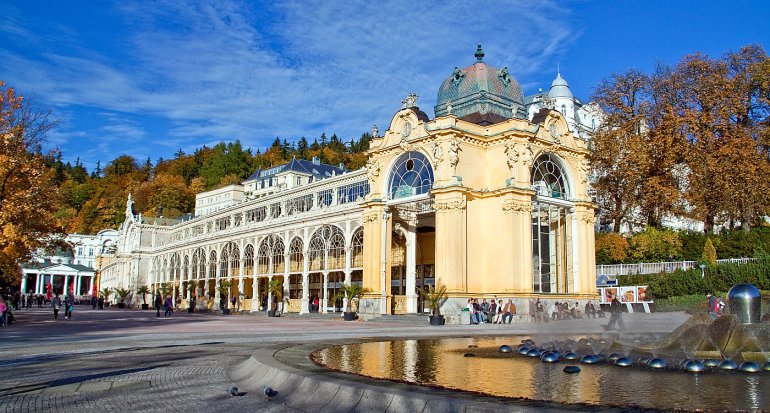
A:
(412, 174)
(548, 178)
(296, 256)
(357, 247)
(213, 265)
(278, 261)
(248, 260)
(263, 258)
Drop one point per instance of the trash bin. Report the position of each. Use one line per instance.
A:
(465, 317)
(745, 302)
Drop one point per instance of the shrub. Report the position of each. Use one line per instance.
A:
(635, 279)
(678, 283)
(654, 245)
(611, 248)
(709, 254)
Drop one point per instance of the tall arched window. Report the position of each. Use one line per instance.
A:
(296, 256)
(548, 178)
(278, 257)
(213, 265)
(412, 174)
(357, 247)
(248, 260)
(552, 264)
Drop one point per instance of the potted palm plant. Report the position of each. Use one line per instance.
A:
(106, 293)
(144, 290)
(224, 291)
(275, 287)
(435, 295)
(351, 292)
(122, 293)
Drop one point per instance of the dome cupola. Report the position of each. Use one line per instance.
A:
(559, 88)
(481, 94)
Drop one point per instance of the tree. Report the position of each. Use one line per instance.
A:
(709, 254)
(28, 191)
(616, 157)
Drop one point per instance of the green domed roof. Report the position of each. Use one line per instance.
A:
(481, 92)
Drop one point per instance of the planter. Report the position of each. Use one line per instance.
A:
(271, 313)
(191, 309)
(437, 320)
(145, 306)
(350, 316)
(226, 311)
(121, 305)
(106, 304)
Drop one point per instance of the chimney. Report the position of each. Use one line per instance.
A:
(316, 161)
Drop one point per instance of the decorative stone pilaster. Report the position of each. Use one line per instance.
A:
(451, 240)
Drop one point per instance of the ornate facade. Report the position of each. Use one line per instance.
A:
(483, 199)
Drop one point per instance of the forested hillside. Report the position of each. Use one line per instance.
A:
(94, 200)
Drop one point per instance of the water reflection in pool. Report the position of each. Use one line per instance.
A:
(441, 362)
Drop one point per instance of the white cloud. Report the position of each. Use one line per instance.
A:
(229, 71)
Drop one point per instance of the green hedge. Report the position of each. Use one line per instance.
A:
(660, 245)
(684, 283)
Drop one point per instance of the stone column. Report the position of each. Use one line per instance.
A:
(286, 269)
(66, 283)
(411, 269)
(269, 293)
(325, 297)
(91, 284)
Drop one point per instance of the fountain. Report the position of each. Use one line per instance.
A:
(699, 356)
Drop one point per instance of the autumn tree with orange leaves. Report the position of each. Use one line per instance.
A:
(28, 193)
(689, 140)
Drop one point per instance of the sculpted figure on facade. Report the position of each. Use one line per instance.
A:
(528, 155)
(373, 169)
(449, 107)
(130, 207)
(410, 101)
(454, 155)
(438, 154)
(513, 157)
(585, 168)
(375, 132)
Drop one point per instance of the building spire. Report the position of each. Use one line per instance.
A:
(479, 53)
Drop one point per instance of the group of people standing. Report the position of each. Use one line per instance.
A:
(69, 305)
(493, 312)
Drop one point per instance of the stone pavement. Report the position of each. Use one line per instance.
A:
(116, 360)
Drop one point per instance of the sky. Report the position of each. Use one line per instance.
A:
(147, 78)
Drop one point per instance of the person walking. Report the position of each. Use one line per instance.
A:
(711, 303)
(616, 317)
(69, 305)
(158, 303)
(3, 312)
(56, 304)
(169, 306)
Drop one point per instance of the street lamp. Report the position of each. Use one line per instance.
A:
(702, 273)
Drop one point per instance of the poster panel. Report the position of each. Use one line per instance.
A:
(641, 294)
(608, 293)
(627, 295)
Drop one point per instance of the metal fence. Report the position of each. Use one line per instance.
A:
(656, 267)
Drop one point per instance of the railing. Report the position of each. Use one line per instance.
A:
(656, 267)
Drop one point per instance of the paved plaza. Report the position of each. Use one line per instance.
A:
(119, 360)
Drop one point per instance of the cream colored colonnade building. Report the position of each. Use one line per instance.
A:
(484, 199)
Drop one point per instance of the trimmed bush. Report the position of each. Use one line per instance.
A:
(709, 254)
(611, 248)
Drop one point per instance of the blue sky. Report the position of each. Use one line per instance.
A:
(147, 78)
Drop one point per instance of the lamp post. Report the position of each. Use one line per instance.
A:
(702, 272)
